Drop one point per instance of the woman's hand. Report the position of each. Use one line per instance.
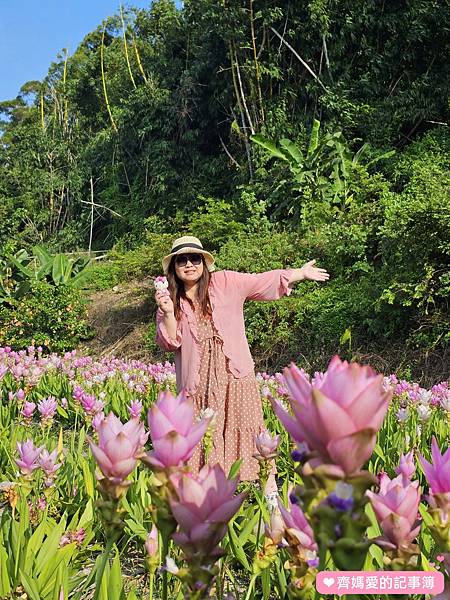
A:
(312, 273)
(164, 301)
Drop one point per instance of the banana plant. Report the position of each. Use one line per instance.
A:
(19, 271)
(325, 166)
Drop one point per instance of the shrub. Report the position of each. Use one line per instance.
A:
(414, 240)
(53, 317)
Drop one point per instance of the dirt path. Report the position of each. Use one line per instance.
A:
(119, 318)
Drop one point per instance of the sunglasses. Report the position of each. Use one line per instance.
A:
(182, 259)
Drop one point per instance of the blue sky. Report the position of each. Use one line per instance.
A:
(32, 32)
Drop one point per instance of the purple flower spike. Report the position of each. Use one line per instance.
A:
(28, 457)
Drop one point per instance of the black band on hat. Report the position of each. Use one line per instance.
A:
(186, 246)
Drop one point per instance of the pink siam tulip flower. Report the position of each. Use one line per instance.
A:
(151, 543)
(28, 457)
(407, 466)
(396, 508)
(98, 418)
(47, 408)
(204, 506)
(340, 416)
(135, 409)
(28, 410)
(297, 526)
(172, 430)
(266, 445)
(20, 395)
(119, 447)
(437, 472)
(78, 392)
(47, 462)
(275, 530)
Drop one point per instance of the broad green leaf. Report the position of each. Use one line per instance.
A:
(48, 576)
(293, 150)
(115, 584)
(60, 263)
(88, 478)
(266, 583)
(5, 585)
(29, 586)
(248, 529)
(236, 547)
(314, 138)
(270, 146)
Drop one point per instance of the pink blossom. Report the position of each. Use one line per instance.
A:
(266, 445)
(204, 505)
(396, 508)
(28, 457)
(173, 433)
(297, 526)
(340, 417)
(135, 409)
(151, 543)
(437, 472)
(119, 447)
(407, 466)
(28, 410)
(98, 418)
(47, 462)
(47, 408)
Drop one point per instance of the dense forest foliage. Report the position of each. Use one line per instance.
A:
(277, 131)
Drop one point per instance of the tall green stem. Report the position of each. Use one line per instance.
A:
(250, 587)
(165, 552)
(150, 585)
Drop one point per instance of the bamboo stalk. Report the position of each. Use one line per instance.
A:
(138, 58)
(66, 116)
(105, 93)
(244, 102)
(241, 110)
(42, 111)
(92, 215)
(125, 45)
(297, 55)
(255, 58)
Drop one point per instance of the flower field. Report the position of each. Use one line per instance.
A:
(96, 500)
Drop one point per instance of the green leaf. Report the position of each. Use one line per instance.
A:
(293, 150)
(88, 478)
(5, 585)
(234, 470)
(248, 529)
(267, 144)
(266, 583)
(29, 586)
(60, 264)
(115, 584)
(237, 549)
(314, 138)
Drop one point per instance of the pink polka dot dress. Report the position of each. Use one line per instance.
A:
(235, 402)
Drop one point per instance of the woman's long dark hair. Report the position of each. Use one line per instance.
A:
(177, 291)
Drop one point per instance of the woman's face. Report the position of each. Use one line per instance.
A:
(189, 267)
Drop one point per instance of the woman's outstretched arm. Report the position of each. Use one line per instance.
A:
(308, 272)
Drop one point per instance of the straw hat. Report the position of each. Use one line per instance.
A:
(185, 245)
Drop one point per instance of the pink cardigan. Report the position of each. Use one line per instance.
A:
(228, 291)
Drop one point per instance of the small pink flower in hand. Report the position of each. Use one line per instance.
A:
(161, 284)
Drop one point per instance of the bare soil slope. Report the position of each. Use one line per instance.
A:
(119, 318)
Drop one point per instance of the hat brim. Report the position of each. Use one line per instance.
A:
(209, 259)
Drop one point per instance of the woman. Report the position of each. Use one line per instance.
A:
(202, 321)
